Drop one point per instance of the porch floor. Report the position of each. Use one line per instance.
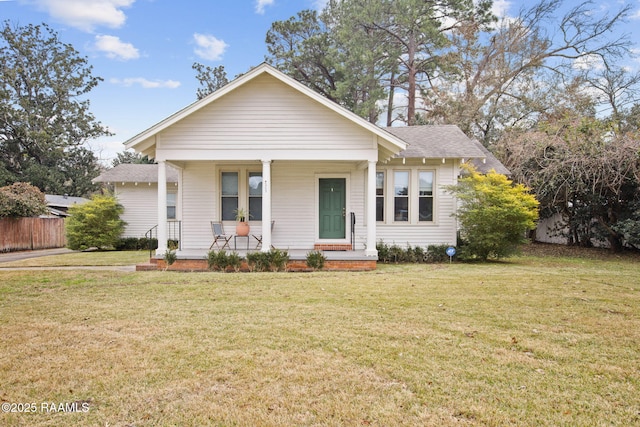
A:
(196, 260)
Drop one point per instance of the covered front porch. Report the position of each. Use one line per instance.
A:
(196, 260)
(269, 146)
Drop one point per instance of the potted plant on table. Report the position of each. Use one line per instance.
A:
(242, 226)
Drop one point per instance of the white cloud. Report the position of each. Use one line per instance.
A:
(261, 4)
(86, 14)
(115, 48)
(209, 47)
(145, 83)
(500, 8)
(589, 62)
(320, 4)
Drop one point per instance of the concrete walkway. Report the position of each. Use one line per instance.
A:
(17, 256)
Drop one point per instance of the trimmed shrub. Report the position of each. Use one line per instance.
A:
(437, 253)
(316, 260)
(220, 260)
(95, 224)
(417, 254)
(234, 260)
(278, 259)
(274, 260)
(494, 214)
(170, 257)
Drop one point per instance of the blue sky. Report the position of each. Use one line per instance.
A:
(144, 49)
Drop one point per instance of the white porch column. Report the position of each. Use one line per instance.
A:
(266, 205)
(162, 208)
(371, 210)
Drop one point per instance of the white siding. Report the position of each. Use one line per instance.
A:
(294, 204)
(199, 204)
(140, 202)
(443, 229)
(265, 114)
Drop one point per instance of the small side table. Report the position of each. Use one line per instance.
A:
(235, 241)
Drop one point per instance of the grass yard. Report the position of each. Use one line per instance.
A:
(540, 340)
(90, 258)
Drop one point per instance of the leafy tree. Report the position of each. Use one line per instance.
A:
(508, 76)
(22, 200)
(359, 52)
(129, 157)
(494, 214)
(96, 223)
(44, 113)
(415, 33)
(210, 79)
(581, 169)
(303, 47)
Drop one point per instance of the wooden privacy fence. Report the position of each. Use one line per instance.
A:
(19, 234)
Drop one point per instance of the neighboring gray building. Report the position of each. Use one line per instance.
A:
(59, 205)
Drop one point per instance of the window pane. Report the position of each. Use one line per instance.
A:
(171, 212)
(379, 183)
(255, 183)
(171, 205)
(379, 208)
(229, 206)
(229, 183)
(401, 183)
(426, 183)
(255, 208)
(426, 208)
(401, 209)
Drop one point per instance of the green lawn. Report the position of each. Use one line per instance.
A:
(539, 340)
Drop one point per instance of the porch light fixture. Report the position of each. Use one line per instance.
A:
(443, 160)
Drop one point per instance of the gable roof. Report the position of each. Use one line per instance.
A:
(146, 139)
(63, 201)
(436, 141)
(126, 172)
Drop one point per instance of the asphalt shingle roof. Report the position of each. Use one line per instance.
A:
(135, 173)
(491, 162)
(436, 141)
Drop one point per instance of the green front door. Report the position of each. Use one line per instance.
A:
(332, 208)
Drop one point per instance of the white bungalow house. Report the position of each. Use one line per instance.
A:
(322, 176)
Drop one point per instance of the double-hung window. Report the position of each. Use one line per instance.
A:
(255, 196)
(379, 196)
(425, 205)
(229, 195)
(241, 189)
(171, 205)
(401, 196)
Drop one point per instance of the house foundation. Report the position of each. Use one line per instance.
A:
(335, 261)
